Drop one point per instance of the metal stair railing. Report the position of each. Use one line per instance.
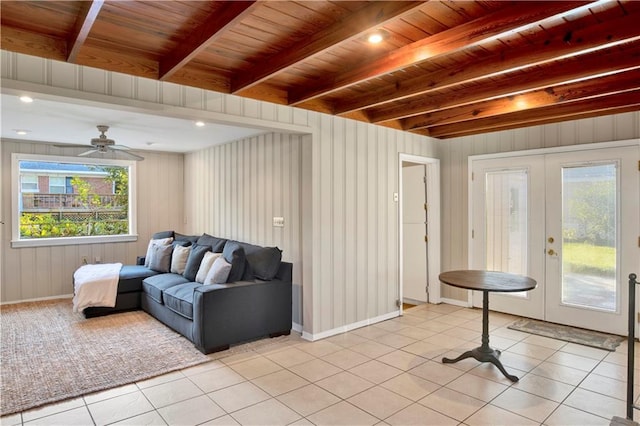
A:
(631, 345)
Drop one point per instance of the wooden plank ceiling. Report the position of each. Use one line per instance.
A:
(443, 69)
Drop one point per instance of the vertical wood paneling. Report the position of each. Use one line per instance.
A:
(246, 189)
(350, 222)
(454, 160)
(361, 255)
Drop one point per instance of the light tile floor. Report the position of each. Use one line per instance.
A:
(389, 373)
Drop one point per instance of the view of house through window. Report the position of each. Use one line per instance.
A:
(60, 199)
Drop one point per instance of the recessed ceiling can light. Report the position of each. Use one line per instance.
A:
(200, 123)
(26, 99)
(375, 38)
(21, 132)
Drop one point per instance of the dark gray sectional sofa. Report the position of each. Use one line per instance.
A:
(256, 302)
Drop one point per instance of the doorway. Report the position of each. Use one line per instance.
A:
(419, 230)
(567, 219)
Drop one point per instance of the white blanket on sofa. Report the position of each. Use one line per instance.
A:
(95, 285)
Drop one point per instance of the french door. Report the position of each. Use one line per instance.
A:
(570, 221)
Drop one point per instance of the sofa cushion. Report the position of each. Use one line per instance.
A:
(154, 286)
(205, 265)
(264, 263)
(179, 299)
(179, 259)
(249, 249)
(219, 272)
(162, 235)
(194, 260)
(153, 242)
(234, 254)
(217, 244)
(161, 257)
(131, 276)
(190, 239)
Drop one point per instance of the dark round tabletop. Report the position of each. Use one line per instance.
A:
(488, 281)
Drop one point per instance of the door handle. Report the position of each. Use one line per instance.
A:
(552, 252)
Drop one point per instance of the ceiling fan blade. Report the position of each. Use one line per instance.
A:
(70, 145)
(91, 151)
(119, 147)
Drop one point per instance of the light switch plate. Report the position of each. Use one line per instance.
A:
(278, 222)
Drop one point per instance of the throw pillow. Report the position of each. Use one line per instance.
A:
(179, 259)
(194, 260)
(265, 262)
(219, 272)
(205, 265)
(234, 254)
(161, 258)
(152, 242)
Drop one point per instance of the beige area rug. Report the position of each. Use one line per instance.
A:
(49, 353)
(580, 336)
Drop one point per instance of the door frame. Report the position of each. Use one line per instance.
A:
(432, 166)
(543, 151)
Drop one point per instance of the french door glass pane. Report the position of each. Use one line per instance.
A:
(506, 222)
(589, 237)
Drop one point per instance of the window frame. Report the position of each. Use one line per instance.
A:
(17, 242)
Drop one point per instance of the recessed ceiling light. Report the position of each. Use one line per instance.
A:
(200, 123)
(375, 38)
(26, 99)
(21, 132)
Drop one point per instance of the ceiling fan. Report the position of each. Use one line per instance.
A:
(103, 144)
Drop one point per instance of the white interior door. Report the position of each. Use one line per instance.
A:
(570, 221)
(414, 220)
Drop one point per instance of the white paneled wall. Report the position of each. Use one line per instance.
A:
(355, 223)
(41, 272)
(455, 155)
(350, 227)
(235, 190)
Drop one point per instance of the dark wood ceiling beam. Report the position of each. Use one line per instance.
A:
(549, 96)
(629, 101)
(206, 33)
(597, 37)
(591, 66)
(355, 25)
(84, 22)
(459, 37)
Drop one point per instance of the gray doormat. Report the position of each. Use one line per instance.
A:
(569, 334)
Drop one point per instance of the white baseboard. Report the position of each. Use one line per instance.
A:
(296, 327)
(339, 330)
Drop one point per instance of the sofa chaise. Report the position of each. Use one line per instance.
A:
(184, 292)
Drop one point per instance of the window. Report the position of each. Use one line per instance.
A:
(88, 200)
(29, 183)
(57, 184)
